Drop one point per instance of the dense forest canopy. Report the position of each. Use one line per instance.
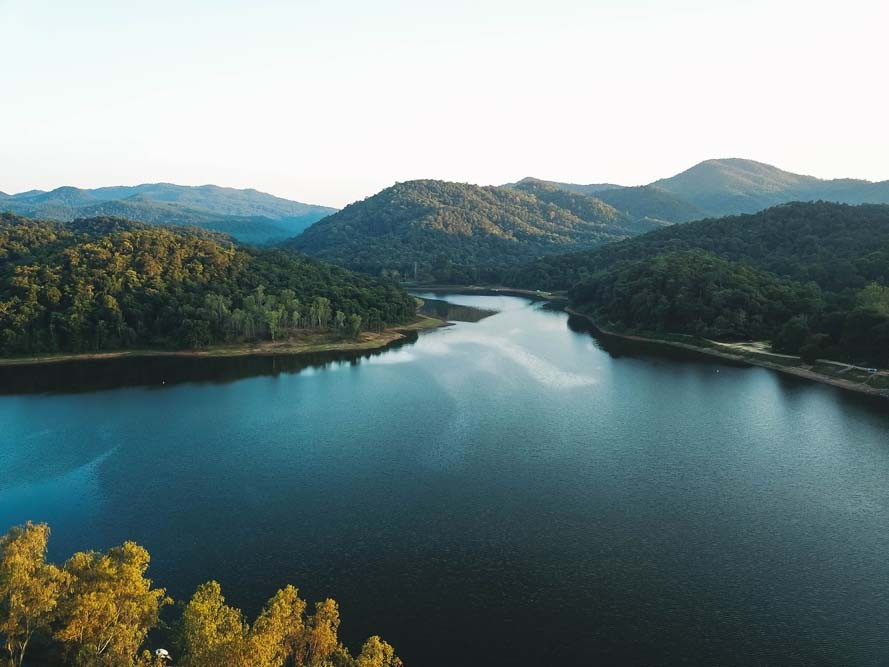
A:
(97, 609)
(106, 283)
(585, 207)
(455, 232)
(824, 268)
(835, 245)
(698, 293)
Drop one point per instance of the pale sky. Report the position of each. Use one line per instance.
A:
(327, 102)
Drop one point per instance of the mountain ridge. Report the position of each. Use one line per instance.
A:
(727, 186)
(249, 215)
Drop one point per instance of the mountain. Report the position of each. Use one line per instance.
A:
(225, 201)
(255, 230)
(106, 284)
(248, 215)
(730, 186)
(715, 188)
(457, 232)
(589, 189)
(648, 202)
(811, 276)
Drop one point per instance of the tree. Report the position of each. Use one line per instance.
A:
(273, 320)
(100, 607)
(320, 310)
(874, 297)
(211, 632)
(279, 630)
(792, 335)
(110, 605)
(29, 587)
(377, 653)
(354, 325)
(321, 632)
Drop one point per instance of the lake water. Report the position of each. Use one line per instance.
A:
(501, 492)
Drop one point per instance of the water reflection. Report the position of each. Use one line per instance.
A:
(452, 312)
(69, 377)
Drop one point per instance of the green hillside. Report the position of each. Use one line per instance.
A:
(456, 232)
(106, 284)
(584, 206)
(823, 266)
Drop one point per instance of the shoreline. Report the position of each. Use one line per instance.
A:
(301, 344)
(800, 371)
(534, 295)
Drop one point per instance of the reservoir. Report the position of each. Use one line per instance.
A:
(504, 491)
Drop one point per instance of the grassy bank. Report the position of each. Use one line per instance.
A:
(844, 376)
(301, 342)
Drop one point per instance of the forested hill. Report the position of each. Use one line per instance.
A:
(248, 215)
(106, 283)
(835, 245)
(811, 277)
(455, 232)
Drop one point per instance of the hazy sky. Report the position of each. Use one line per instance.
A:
(328, 102)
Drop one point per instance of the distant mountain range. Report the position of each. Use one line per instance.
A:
(466, 225)
(248, 215)
(455, 232)
(727, 187)
(715, 188)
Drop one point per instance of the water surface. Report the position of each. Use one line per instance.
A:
(499, 492)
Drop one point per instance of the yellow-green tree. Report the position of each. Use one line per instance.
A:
(110, 605)
(278, 632)
(29, 588)
(321, 633)
(377, 653)
(213, 633)
(101, 607)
